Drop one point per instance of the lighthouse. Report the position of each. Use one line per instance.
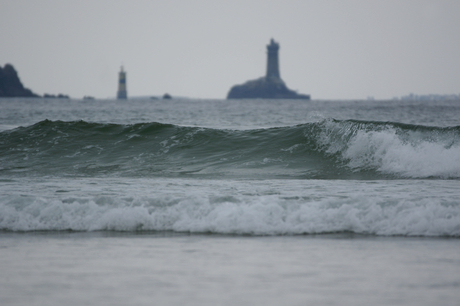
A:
(122, 94)
(270, 86)
(273, 71)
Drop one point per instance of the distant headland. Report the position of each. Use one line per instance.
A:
(10, 84)
(271, 86)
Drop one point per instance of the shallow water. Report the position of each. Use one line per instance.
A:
(110, 268)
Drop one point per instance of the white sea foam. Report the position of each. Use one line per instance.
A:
(386, 152)
(271, 210)
(410, 154)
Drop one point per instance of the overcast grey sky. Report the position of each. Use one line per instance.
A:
(200, 48)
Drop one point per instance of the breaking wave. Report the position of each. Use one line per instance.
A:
(329, 149)
(232, 208)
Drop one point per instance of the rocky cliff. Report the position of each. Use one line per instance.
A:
(10, 84)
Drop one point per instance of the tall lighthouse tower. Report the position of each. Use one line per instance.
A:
(122, 94)
(273, 71)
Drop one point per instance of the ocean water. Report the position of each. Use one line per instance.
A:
(215, 202)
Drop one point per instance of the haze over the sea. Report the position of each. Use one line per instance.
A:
(199, 49)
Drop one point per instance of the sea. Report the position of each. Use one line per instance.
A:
(229, 202)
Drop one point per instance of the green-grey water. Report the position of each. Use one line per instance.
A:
(201, 202)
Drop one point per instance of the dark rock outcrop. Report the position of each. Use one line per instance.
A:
(264, 88)
(10, 84)
(59, 96)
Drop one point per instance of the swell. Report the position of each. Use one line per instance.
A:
(329, 149)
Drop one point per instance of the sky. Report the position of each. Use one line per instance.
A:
(342, 49)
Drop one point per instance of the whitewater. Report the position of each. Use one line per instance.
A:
(272, 202)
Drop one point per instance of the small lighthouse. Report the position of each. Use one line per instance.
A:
(122, 94)
(273, 71)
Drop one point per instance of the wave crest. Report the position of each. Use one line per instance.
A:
(394, 149)
(329, 149)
